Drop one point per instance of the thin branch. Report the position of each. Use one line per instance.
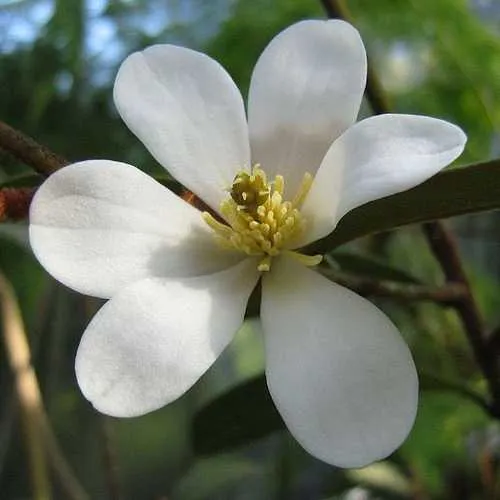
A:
(10, 404)
(26, 386)
(337, 9)
(452, 386)
(445, 295)
(43, 445)
(444, 247)
(15, 203)
(26, 149)
(443, 244)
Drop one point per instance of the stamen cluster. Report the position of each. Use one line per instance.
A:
(259, 221)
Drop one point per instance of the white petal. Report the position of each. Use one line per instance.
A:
(98, 226)
(155, 339)
(188, 112)
(338, 370)
(305, 91)
(377, 157)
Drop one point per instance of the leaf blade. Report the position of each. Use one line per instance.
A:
(457, 191)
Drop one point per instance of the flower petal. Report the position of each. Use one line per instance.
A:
(377, 157)
(155, 339)
(189, 113)
(99, 225)
(338, 370)
(306, 89)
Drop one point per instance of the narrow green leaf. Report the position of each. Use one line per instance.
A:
(458, 191)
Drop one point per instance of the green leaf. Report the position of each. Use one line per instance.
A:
(239, 416)
(458, 191)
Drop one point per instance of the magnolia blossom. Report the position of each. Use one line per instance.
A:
(179, 280)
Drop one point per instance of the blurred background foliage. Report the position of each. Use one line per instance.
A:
(58, 59)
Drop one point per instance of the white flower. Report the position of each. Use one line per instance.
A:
(337, 369)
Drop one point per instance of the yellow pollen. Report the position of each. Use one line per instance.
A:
(259, 221)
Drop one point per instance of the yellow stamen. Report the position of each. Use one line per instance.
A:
(259, 221)
(304, 188)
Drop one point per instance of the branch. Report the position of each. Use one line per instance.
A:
(26, 386)
(26, 149)
(15, 203)
(337, 9)
(444, 247)
(446, 295)
(41, 441)
(452, 386)
(443, 244)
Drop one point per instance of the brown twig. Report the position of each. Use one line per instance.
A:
(15, 203)
(26, 149)
(443, 244)
(337, 9)
(446, 295)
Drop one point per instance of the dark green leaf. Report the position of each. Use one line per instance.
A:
(247, 412)
(454, 192)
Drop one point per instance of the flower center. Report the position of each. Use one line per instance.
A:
(259, 221)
